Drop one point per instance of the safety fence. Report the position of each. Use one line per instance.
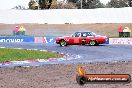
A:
(51, 40)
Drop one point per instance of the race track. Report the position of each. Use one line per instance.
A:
(63, 75)
(79, 53)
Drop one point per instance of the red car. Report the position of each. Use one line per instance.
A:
(82, 38)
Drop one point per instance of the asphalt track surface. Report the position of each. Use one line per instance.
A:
(81, 53)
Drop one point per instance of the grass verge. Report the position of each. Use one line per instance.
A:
(7, 54)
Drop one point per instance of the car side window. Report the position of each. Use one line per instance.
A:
(84, 34)
(78, 34)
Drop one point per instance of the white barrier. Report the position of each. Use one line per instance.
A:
(61, 16)
(127, 41)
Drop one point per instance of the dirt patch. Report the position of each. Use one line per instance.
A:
(60, 75)
(64, 29)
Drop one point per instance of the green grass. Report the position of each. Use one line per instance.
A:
(7, 54)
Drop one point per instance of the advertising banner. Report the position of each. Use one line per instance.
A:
(120, 41)
(39, 40)
(50, 39)
(16, 39)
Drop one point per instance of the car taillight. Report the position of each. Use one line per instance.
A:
(106, 39)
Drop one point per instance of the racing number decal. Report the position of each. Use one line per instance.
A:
(83, 40)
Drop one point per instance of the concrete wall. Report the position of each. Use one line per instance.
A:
(61, 16)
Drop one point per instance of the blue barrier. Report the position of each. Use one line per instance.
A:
(50, 39)
(15, 39)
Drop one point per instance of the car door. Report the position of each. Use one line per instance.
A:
(75, 39)
(90, 37)
(84, 39)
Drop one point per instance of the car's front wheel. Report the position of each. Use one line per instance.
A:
(93, 43)
(63, 43)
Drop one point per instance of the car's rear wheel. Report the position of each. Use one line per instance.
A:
(63, 43)
(93, 43)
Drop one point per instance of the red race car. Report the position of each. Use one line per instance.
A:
(82, 38)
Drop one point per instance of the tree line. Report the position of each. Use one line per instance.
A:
(77, 4)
